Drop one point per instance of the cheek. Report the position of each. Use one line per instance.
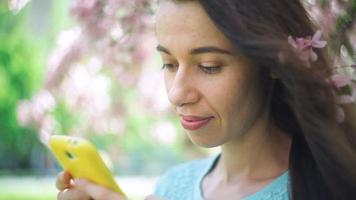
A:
(232, 101)
(231, 92)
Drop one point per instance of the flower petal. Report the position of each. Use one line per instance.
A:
(303, 43)
(316, 36)
(292, 42)
(319, 44)
(340, 80)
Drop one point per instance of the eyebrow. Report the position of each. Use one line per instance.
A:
(199, 50)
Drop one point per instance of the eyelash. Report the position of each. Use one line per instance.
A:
(207, 69)
(167, 66)
(211, 69)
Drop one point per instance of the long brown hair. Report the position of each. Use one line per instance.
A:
(322, 161)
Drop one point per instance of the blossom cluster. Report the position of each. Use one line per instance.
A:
(110, 45)
(343, 78)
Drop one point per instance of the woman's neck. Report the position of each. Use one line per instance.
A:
(261, 153)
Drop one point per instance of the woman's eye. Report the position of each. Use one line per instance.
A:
(169, 66)
(211, 69)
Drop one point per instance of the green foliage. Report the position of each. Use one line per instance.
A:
(20, 74)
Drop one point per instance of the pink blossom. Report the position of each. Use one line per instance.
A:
(23, 113)
(115, 32)
(304, 46)
(83, 8)
(46, 128)
(69, 50)
(340, 80)
(17, 5)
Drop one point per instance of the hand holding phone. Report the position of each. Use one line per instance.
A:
(80, 158)
(80, 189)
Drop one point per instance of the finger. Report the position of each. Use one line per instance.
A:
(95, 191)
(63, 180)
(72, 194)
(151, 197)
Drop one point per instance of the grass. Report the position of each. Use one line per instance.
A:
(27, 188)
(24, 196)
(43, 188)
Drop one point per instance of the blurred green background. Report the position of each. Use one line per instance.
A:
(101, 91)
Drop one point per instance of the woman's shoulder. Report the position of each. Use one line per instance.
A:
(182, 178)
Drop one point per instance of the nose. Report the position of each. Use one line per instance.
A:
(183, 89)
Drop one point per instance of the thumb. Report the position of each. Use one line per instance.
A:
(96, 191)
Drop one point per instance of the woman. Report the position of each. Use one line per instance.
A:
(235, 82)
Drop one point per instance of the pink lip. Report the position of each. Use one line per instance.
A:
(193, 123)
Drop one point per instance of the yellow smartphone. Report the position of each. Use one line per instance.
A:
(81, 159)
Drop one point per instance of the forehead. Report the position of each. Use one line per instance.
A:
(186, 24)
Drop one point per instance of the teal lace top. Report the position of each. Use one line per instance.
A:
(183, 182)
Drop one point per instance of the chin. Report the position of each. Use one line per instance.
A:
(203, 140)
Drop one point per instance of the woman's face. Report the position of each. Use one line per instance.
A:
(214, 91)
